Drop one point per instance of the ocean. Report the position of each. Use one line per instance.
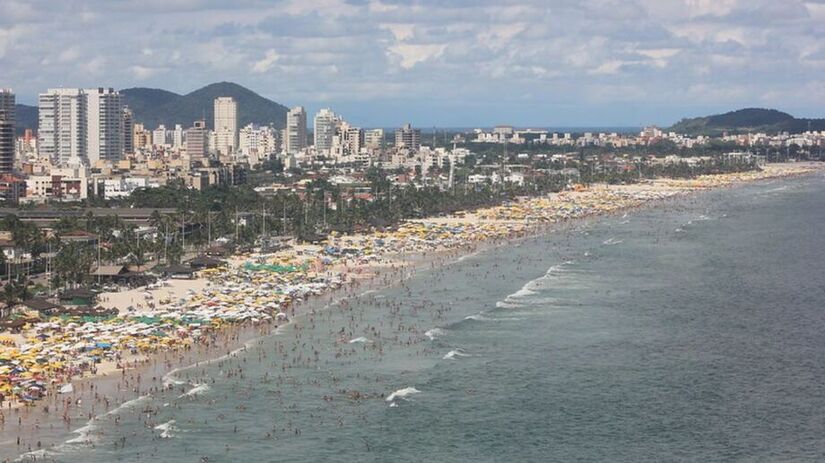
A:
(689, 331)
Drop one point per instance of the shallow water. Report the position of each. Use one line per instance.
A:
(691, 331)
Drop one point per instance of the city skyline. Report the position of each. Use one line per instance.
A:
(525, 63)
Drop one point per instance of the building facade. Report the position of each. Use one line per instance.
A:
(105, 125)
(407, 137)
(84, 124)
(7, 120)
(296, 130)
(61, 133)
(324, 126)
(197, 141)
(226, 125)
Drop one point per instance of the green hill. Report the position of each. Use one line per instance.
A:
(746, 120)
(153, 106)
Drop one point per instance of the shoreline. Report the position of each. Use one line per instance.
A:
(167, 366)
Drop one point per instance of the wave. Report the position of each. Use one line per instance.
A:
(170, 377)
(529, 288)
(434, 333)
(199, 389)
(36, 455)
(167, 429)
(554, 269)
(128, 404)
(482, 318)
(454, 354)
(360, 339)
(612, 241)
(402, 394)
(523, 292)
(167, 382)
(85, 434)
(508, 305)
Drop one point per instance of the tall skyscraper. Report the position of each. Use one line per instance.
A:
(7, 119)
(61, 133)
(407, 137)
(197, 141)
(128, 131)
(226, 125)
(87, 124)
(105, 125)
(296, 130)
(325, 124)
(177, 137)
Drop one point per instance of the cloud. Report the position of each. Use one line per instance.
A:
(433, 57)
(143, 72)
(401, 32)
(266, 63)
(412, 54)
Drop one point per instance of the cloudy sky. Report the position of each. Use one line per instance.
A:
(437, 62)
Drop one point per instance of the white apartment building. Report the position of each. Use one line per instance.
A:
(257, 143)
(177, 137)
(325, 124)
(61, 133)
(296, 130)
(86, 124)
(226, 125)
(104, 136)
(159, 136)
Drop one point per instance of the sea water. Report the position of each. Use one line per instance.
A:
(688, 331)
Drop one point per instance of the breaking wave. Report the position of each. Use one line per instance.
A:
(435, 333)
(167, 429)
(402, 394)
(195, 391)
(454, 354)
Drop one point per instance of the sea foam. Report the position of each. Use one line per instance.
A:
(454, 354)
(434, 333)
(195, 391)
(402, 394)
(167, 429)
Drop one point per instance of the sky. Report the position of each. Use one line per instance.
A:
(448, 63)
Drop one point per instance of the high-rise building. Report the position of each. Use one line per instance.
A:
(296, 130)
(226, 125)
(7, 117)
(159, 136)
(128, 131)
(407, 137)
(197, 141)
(324, 126)
(61, 133)
(353, 140)
(374, 138)
(81, 124)
(177, 137)
(104, 136)
(257, 143)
